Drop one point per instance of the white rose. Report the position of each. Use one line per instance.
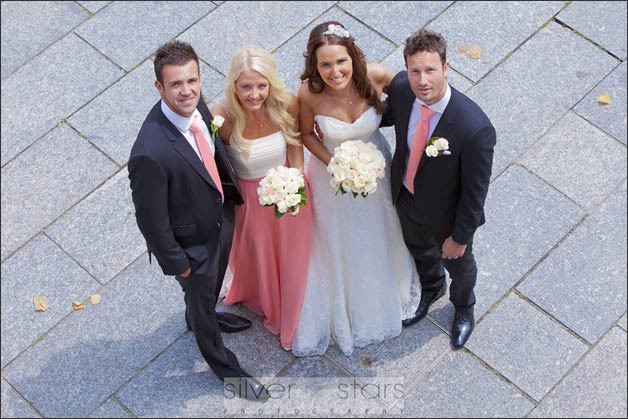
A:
(293, 200)
(431, 151)
(441, 144)
(218, 121)
(282, 207)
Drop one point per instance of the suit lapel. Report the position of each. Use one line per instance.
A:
(182, 147)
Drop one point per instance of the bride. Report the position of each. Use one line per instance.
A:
(362, 280)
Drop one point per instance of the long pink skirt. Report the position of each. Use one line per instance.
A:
(269, 261)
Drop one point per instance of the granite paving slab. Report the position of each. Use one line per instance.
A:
(128, 32)
(259, 351)
(409, 355)
(396, 20)
(110, 409)
(89, 355)
(93, 6)
(461, 386)
(101, 232)
(503, 29)
(603, 22)
(525, 218)
(579, 160)
(290, 60)
(589, 391)
(178, 383)
(582, 283)
(622, 322)
(37, 97)
(540, 81)
(22, 38)
(39, 269)
(534, 355)
(14, 405)
(215, 39)
(611, 118)
(45, 180)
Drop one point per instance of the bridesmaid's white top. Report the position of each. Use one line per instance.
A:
(266, 152)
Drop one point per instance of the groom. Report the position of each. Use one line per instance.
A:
(184, 190)
(439, 188)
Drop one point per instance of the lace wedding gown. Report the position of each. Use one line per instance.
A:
(362, 280)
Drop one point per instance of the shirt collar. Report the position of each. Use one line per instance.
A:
(181, 122)
(440, 105)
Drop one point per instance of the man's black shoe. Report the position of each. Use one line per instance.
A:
(228, 322)
(462, 327)
(427, 299)
(245, 387)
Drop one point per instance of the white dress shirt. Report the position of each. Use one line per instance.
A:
(183, 125)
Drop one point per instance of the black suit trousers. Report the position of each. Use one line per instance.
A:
(425, 247)
(201, 295)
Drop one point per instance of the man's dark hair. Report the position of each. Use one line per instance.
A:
(425, 40)
(173, 53)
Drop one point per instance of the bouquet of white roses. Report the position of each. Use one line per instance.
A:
(284, 188)
(355, 167)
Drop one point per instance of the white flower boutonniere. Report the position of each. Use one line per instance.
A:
(215, 126)
(437, 146)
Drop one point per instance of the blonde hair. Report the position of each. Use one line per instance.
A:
(276, 104)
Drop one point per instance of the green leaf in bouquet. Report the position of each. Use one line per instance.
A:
(277, 213)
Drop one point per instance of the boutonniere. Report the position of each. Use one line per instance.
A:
(437, 146)
(215, 126)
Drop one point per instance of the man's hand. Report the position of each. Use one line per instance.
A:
(452, 250)
(186, 273)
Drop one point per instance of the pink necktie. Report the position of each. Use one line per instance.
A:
(206, 153)
(418, 145)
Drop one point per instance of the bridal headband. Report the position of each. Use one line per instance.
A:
(337, 30)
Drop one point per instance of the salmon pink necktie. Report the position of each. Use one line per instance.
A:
(418, 145)
(206, 154)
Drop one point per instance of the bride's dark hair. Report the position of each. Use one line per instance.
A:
(314, 82)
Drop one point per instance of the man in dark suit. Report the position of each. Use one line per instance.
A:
(184, 189)
(439, 187)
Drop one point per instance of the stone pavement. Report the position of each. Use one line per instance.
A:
(77, 81)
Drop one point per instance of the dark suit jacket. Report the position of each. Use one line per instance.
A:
(178, 208)
(449, 190)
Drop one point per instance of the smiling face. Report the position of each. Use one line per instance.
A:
(181, 87)
(334, 65)
(252, 89)
(427, 76)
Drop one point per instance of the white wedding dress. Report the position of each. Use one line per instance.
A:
(362, 280)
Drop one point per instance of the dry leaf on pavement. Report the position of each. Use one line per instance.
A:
(462, 49)
(41, 303)
(475, 53)
(604, 99)
(78, 306)
(94, 299)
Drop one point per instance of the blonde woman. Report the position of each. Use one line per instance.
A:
(269, 257)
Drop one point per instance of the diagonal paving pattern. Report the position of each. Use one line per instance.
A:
(550, 341)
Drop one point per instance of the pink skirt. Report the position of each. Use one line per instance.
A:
(269, 260)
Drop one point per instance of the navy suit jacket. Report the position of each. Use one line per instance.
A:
(178, 208)
(449, 190)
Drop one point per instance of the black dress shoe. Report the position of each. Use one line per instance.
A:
(245, 387)
(228, 322)
(462, 327)
(427, 299)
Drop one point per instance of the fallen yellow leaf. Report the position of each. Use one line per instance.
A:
(40, 303)
(462, 49)
(94, 299)
(475, 53)
(78, 306)
(604, 99)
